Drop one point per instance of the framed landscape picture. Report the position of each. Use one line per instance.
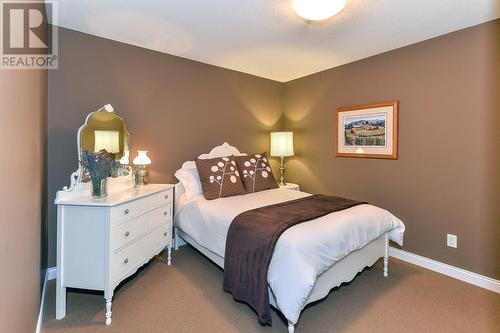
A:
(368, 131)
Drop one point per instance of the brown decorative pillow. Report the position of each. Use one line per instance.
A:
(219, 177)
(256, 172)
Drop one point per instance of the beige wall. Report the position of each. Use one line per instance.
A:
(447, 177)
(173, 107)
(23, 95)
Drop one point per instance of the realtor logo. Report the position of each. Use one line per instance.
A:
(28, 41)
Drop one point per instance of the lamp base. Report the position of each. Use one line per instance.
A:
(282, 172)
(139, 176)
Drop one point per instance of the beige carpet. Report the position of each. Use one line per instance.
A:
(188, 297)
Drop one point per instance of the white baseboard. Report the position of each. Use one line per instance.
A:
(51, 273)
(180, 242)
(452, 271)
(42, 302)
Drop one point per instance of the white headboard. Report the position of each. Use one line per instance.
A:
(220, 151)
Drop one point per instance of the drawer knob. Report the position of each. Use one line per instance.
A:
(166, 196)
(127, 233)
(126, 211)
(165, 234)
(165, 213)
(125, 261)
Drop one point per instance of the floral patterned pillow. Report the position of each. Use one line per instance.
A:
(219, 177)
(256, 172)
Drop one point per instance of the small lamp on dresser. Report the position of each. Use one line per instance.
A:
(141, 162)
(282, 146)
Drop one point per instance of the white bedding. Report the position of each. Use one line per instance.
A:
(303, 252)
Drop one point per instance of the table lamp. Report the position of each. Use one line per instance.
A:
(141, 162)
(282, 146)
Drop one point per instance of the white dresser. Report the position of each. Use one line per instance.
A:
(101, 242)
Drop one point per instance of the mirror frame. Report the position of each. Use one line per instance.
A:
(76, 176)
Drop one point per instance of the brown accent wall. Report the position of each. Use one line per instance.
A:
(23, 107)
(447, 177)
(173, 107)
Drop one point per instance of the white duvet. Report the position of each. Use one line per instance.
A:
(303, 252)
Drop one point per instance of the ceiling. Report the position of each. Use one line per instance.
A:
(265, 37)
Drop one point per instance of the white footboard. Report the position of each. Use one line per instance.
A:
(346, 269)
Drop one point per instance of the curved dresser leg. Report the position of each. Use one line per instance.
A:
(291, 327)
(60, 300)
(169, 256)
(108, 311)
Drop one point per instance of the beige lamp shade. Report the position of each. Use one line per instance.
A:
(142, 158)
(281, 144)
(109, 140)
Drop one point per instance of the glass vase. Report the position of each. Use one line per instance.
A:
(99, 188)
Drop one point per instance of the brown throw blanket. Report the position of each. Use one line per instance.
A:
(252, 237)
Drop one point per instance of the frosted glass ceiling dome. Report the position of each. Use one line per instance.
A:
(317, 10)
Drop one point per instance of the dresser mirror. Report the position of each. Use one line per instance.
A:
(103, 130)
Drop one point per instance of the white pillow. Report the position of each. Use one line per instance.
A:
(189, 178)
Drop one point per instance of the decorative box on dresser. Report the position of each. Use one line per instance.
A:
(100, 242)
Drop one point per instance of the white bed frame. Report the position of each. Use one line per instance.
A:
(343, 271)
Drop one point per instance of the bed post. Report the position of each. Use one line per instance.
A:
(291, 327)
(386, 255)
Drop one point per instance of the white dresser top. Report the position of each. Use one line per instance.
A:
(116, 195)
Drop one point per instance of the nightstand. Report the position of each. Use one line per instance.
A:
(291, 186)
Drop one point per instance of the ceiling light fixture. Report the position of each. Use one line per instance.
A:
(317, 10)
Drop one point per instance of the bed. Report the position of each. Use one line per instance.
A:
(309, 259)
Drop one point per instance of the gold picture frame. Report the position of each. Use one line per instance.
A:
(369, 131)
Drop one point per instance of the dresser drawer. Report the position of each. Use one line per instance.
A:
(127, 260)
(129, 231)
(138, 207)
